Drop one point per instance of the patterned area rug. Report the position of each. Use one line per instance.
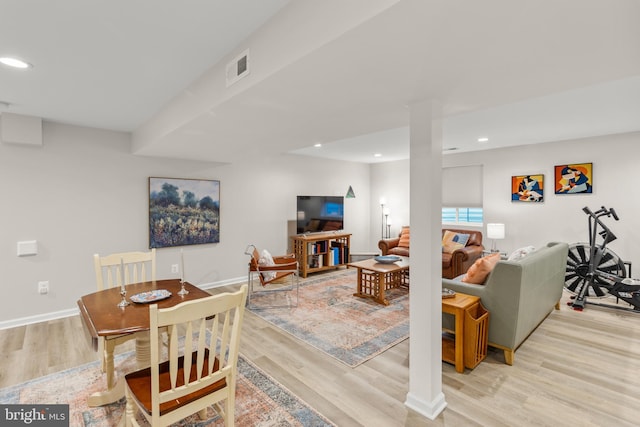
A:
(331, 319)
(260, 400)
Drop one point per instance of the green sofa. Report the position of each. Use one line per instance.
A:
(519, 295)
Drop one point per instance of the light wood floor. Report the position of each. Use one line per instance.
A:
(577, 368)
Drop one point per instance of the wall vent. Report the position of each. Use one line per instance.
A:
(238, 68)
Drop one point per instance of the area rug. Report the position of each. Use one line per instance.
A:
(330, 318)
(260, 400)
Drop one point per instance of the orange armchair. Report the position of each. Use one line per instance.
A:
(269, 270)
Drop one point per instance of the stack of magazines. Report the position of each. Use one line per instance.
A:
(448, 293)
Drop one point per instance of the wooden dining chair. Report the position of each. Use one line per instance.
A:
(270, 274)
(138, 267)
(201, 369)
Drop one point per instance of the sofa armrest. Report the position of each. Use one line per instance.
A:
(463, 258)
(386, 244)
(501, 296)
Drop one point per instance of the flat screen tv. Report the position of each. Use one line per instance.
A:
(319, 214)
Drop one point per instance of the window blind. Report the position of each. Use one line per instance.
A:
(462, 186)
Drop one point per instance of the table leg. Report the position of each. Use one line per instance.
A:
(382, 285)
(143, 350)
(115, 389)
(459, 357)
(359, 285)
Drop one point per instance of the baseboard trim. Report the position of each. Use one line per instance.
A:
(45, 317)
(221, 283)
(430, 410)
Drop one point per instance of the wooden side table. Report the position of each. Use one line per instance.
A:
(453, 349)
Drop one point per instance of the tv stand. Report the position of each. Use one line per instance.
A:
(321, 251)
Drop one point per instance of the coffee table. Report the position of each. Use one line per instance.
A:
(374, 278)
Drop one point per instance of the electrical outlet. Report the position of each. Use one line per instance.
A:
(43, 287)
(175, 268)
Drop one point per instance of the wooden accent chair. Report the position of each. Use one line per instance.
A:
(271, 275)
(198, 374)
(138, 267)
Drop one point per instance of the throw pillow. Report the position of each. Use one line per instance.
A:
(404, 237)
(267, 260)
(520, 253)
(480, 269)
(452, 241)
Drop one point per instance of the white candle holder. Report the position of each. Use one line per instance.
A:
(182, 291)
(123, 291)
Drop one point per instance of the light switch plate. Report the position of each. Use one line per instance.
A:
(28, 247)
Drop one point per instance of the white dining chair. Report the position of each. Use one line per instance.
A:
(138, 267)
(201, 370)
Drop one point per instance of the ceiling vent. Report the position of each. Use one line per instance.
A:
(238, 68)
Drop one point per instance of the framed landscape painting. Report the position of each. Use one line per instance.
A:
(575, 178)
(183, 212)
(527, 188)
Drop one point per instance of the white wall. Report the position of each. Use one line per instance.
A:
(82, 193)
(558, 218)
(391, 181)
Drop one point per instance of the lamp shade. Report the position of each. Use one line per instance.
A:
(495, 231)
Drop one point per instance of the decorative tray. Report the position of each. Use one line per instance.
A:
(448, 293)
(151, 296)
(387, 259)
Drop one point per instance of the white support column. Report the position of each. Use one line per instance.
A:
(425, 346)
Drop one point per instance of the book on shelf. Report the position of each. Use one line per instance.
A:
(316, 261)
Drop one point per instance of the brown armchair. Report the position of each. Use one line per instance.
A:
(396, 246)
(454, 263)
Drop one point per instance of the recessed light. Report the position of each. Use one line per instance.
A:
(377, 155)
(317, 145)
(483, 139)
(14, 62)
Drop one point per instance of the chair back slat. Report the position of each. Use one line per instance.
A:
(214, 329)
(173, 354)
(188, 347)
(202, 345)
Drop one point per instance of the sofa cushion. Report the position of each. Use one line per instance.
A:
(521, 253)
(452, 241)
(266, 259)
(404, 237)
(480, 269)
(398, 251)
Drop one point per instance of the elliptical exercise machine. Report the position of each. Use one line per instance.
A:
(594, 271)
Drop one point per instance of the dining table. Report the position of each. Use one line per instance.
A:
(104, 318)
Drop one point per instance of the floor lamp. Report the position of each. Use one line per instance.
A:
(382, 203)
(385, 224)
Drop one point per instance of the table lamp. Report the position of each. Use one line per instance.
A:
(495, 232)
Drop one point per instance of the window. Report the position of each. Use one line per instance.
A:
(462, 194)
(462, 215)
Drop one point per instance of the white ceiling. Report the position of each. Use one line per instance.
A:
(332, 72)
(113, 64)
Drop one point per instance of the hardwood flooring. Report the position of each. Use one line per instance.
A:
(577, 368)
